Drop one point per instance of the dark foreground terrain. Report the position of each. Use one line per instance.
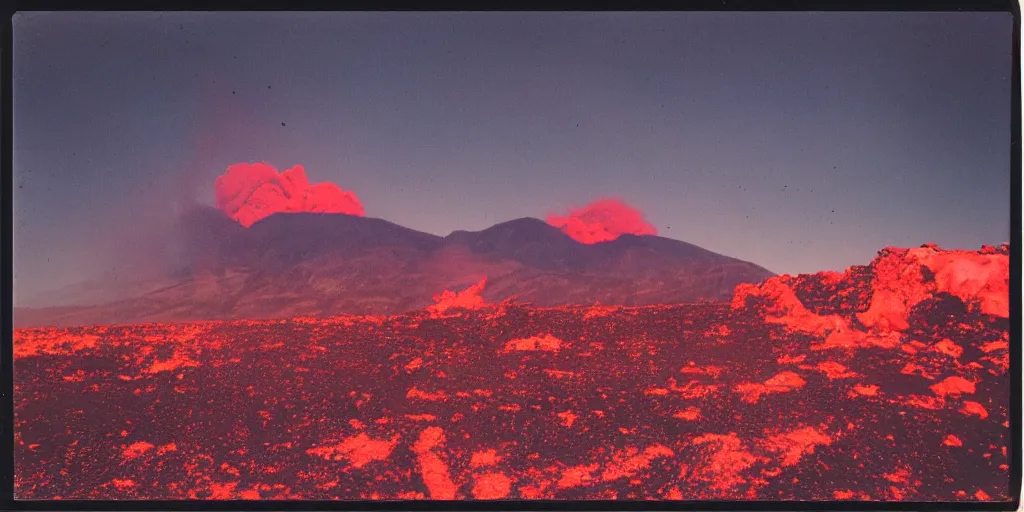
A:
(888, 382)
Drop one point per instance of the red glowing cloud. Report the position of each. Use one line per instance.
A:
(250, 192)
(602, 221)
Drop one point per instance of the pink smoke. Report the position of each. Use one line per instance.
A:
(602, 221)
(248, 193)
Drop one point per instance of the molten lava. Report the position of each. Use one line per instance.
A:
(602, 221)
(248, 193)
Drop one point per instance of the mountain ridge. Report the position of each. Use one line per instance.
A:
(327, 264)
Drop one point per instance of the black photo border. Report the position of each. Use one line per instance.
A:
(7, 501)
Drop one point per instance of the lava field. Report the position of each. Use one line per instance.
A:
(887, 382)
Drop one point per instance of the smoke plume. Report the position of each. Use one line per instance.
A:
(602, 221)
(248, 193)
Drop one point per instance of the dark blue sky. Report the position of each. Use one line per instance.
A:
(798, 141)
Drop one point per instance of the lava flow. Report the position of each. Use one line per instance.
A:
(886, 382)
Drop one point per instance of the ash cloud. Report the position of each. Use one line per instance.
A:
(602, 221)
(249, 192)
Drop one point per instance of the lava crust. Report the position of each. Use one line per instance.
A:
(887, 382)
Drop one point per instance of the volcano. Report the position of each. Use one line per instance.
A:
(324, 264)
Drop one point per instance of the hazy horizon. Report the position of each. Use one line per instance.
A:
(799, 142)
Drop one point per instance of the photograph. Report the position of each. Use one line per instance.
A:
(561, 256)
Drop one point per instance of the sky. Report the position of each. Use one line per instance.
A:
(798, 141)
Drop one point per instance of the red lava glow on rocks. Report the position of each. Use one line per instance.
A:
(953, 386)
(360, 450)
(568, 418)
(794, 445)
(834, 370)
(544, 342)
(627, 463)
(884, 382)
(974, 408)
(466, 299)
(137, 449)
(249, 192)
(484, 458)
(491, 486)
(870, 390)
(727, 462)
(577, 476)
(433, 468)
(781, 383)
(602, 221)
(952, 440)
(690, 414)
(977, 278)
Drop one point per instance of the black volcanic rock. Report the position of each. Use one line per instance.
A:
(650, 403)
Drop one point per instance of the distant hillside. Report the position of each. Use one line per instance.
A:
(324, 264)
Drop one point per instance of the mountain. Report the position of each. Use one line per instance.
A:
(531, 242)
(296, 264)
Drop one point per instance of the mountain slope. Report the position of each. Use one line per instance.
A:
(328, 264)
(529, 241)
